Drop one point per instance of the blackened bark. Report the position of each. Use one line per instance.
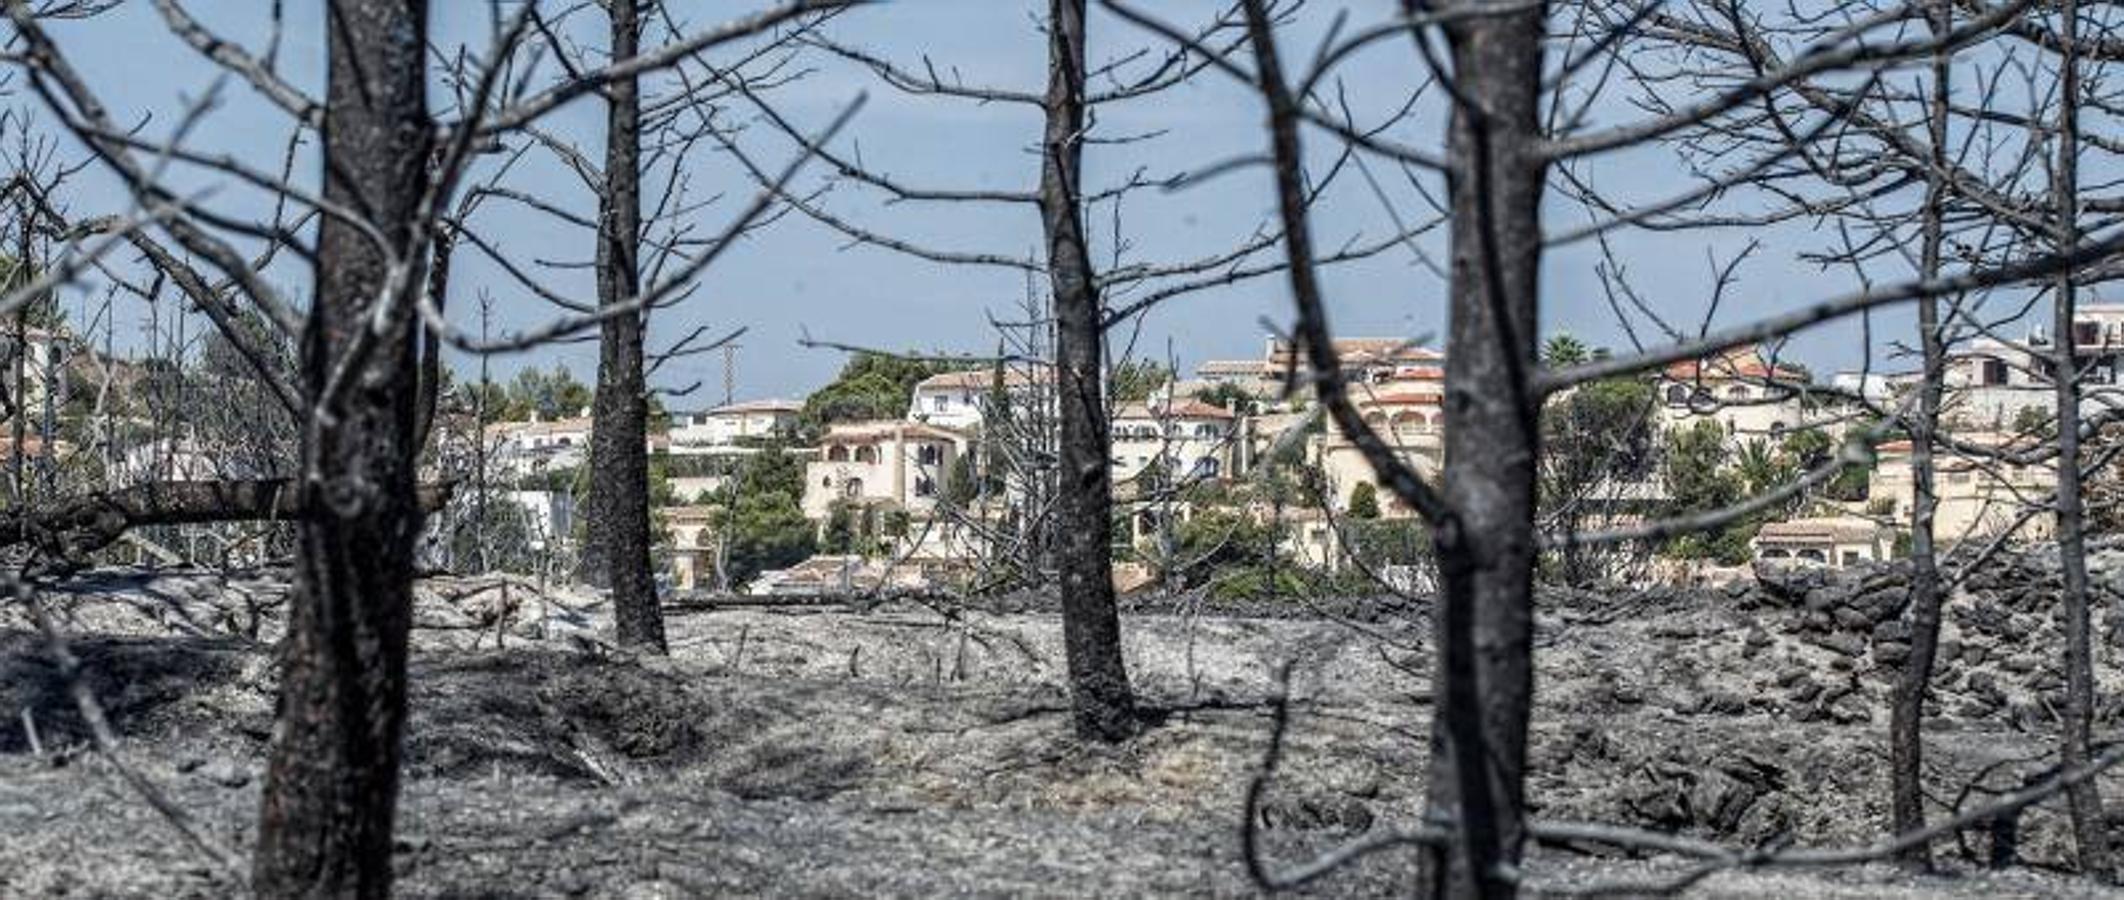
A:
(616, 550)
(1492, 441)
(332, 785)
(430, 392)
(1906, 745)
(1091, 628)
(2085, 801)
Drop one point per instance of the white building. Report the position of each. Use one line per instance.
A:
(961, 399)
(1186, 439)
(734, 423)
(521, 449)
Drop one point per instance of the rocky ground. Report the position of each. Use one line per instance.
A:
(912, 749)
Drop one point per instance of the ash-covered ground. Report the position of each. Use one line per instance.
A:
(912, 749)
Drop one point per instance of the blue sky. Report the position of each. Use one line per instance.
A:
(799, 277)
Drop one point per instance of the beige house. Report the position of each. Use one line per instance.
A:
(1836, 542)
(1978, 498)
(692, 551)
(1743, 389)
(1365, 360)
(1410, 417)
(890, 461)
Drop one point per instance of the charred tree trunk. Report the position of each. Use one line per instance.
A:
(1099, 689)
(332, 786)
(616, 552)
(2088, 828)
(1906, 745)
(1488, 551)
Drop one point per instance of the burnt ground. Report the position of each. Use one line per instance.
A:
(894, 750)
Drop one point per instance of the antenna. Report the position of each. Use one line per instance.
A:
(730, 373)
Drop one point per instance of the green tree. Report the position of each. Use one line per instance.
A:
(44, 310)
(763, 515)
(1595, 437)
(1135, 380)
(1364, 501)
(1698, 480)
(870, 386)
(549, 395)
(1229, 396)
(1563, 349)
(839, 535)
(961, 483)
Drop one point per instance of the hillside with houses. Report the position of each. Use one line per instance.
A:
(1227, 479)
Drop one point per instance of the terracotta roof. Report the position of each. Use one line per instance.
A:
(1737, 363)
(1404, 397)
(1185, 409)
(1364, 350)
(749, 406)
(552, 426)
(885, 428)
(1842, 528)
(976, 379)
(1232, 367)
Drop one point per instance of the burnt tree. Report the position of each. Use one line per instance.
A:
(1100, 694)
(1906, 750)
(332, 786)
(2089, 829)
(616, 552)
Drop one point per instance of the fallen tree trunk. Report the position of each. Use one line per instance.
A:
(74, 529)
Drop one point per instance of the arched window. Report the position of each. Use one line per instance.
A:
(1737, 392)
(929, 455)
(866, 454)
(1206, 467)
(1813, 555)
(1677, 395)
(837, 453)
(852, 488)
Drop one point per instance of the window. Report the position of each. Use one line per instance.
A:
(1737, 392)
(852, 488)
(1812, 555)
(837, 453)
(1852, 557)
(1677, 395)
(1206, 431)
(929, 455)
(1991, 371)
(826, 482)
(2086, 333)
(925, 487)
(1206, 467)
(866, 454)
(939, 403)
